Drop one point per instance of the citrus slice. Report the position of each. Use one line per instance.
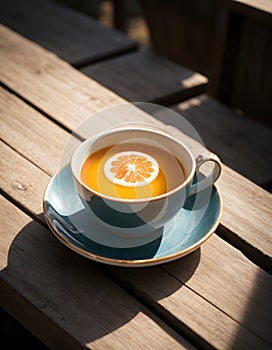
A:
(131, 169)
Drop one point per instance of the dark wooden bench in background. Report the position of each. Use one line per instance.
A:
(146, 77)
(228, 41)
(80, 40)
(74, 37)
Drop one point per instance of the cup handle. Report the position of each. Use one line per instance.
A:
(212, 177)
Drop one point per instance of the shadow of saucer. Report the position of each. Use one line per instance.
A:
(72, 297)
(100, 242)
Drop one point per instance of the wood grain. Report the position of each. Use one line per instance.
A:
(146, 77)
(247, 214)
(73, 36)
(241, 143)
(193, 306)
(67, 301)
(235, 285)
(22, 180)
(224, 278)
(58, 90)
(49, 83)
(30, 133)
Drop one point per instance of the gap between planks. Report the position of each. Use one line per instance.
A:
(250, 252)
(41, 111)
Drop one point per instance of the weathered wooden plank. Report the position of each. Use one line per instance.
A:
(42, 141)
(246, 221)
(146, 77)
(48, 82)
(203, 321)
(22, 180)
(241, 143)
(219, 274)
(29, 132)
(234, 284)
(75, 37)
(67, 302)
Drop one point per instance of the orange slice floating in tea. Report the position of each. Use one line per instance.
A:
(131, 169)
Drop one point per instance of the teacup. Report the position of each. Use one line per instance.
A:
(141, 216)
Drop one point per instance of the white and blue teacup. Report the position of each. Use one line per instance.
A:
(139, 217)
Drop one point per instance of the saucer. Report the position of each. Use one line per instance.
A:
(79, 230)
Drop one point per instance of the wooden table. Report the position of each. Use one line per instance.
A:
(217, 297)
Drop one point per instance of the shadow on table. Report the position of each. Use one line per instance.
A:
(15, 335)
(72, 298)
(69, 296)
(257, 315)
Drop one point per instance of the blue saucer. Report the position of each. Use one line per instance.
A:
(78, 229)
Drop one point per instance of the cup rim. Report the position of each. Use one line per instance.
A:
(137, 200)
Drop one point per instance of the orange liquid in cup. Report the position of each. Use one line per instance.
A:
(170, 173)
